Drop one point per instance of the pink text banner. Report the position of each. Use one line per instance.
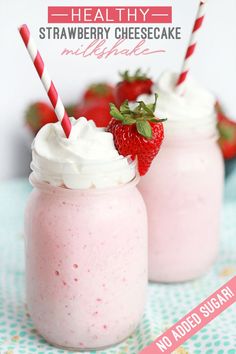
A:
(109, 14)
(194, 320)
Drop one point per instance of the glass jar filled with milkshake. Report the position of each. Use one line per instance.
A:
(86, 249)
(183, 188)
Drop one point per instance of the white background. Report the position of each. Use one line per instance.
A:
(214, 64)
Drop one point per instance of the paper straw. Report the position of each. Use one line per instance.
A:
(180, 84)
(45, 79)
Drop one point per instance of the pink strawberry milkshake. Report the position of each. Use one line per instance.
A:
(86, 239)
(183, 188)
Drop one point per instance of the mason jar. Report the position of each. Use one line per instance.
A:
(86, 263)
(183, 190)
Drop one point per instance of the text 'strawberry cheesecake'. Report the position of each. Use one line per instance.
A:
(183, 188)
(86, 247)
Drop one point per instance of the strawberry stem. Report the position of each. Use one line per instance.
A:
(141, 116)
(101, 88)
(137, 76)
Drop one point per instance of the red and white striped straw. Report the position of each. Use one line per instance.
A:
(45, 79)
(180, 84)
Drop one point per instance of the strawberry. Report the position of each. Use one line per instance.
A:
(132, 86)
(99, 90)
(137, 133)
(227, 131)
(70, 110)
(98, 110)
(95, 104)
(38, 114)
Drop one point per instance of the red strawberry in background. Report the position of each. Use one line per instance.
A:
(98, 110)
(70, 110)
(98, 91)
(95, 104)
(38, 114)
(227, 131)
(137, 132)
(132, 86)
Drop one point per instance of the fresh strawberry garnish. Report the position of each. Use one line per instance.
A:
(38, 114)
(100, 90)
(137, 133)
(227, 131)
(97, 110)
(132, 86)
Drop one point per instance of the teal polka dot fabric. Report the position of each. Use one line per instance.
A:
(166, 303)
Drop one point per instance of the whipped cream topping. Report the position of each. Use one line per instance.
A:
(88, 159)
(193, 112)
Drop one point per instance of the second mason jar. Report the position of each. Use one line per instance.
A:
(183, 188)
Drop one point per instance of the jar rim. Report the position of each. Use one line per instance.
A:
(182, 140)
(48, 188)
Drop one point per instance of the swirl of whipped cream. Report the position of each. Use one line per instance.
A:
(88, 159)
(193, 112)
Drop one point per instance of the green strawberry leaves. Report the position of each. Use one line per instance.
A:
(144, 128)
(114, 112)
(129, 121)
(137, 76)
(141, 116)
(152, 106)
(100, 88)
(145, 107)
(226, 131)
(124, 108)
